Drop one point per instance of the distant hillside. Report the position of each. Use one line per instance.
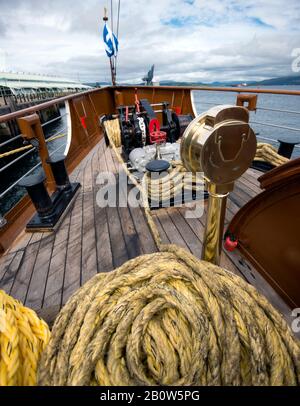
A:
(286, 80)
(282, 81)
(175, 83)
(97, 84)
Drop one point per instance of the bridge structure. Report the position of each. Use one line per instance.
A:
(21, 90)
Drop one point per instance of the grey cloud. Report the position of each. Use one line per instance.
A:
(64, 37)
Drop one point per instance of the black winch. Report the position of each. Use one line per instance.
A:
(135, 124)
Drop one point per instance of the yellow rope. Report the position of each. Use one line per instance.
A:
(57, 137)
(23, 337)
(267, 153)
(15, 151)
(27, 147)
(169, 319)
(112, 129)
(173, 183)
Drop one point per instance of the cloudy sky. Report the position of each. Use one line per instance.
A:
(188, 40)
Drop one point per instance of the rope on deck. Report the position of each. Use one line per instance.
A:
(172, 184)
(169, 319)
(23, 336)
(267, 153)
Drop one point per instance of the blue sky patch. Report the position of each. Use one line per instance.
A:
(259, 22)
(180, 21)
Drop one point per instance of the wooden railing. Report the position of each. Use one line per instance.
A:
(83, 112)
(87, 106)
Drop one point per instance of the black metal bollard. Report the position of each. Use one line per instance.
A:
(60, 173)
(37, 191)
(286, 148)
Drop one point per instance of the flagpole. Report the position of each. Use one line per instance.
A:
(112, 69)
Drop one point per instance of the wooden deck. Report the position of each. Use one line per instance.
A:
(44, 270)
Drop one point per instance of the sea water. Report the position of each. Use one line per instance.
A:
(204, 100)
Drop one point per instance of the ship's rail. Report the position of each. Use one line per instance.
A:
(7, 99)
(82, 132)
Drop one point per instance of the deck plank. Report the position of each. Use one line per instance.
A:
(5, 263)
(34, 298)
(55, 280)
(132, 237)
(72, 274)
(11, 272)
(190, 238)
(165, 217)
(103, 244)
(23, 277)
(119, 254)
(146, 241)
(89, 242)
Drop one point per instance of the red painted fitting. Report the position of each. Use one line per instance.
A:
(230, 245)
(154, 125)
(177, 110)
(83, 122)
(158, 137)
(137, 102)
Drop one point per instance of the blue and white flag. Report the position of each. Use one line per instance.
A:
(111, 42)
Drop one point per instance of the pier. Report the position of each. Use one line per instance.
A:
(19, 91)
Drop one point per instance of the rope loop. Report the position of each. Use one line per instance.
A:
(23, 337)
(169, 319)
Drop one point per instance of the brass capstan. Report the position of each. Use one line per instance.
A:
(221, 144)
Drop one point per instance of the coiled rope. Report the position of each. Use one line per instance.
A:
(113, 132)
(267, 153)
(173, 183)
(23, 337)
(162, 188)
(169, 319)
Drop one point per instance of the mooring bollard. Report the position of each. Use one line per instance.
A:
(286, 147)
(50, 210)
(60, 173)
(38, 194)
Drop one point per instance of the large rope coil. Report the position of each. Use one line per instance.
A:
(23, 337)
(267, 153)
(169, 319)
